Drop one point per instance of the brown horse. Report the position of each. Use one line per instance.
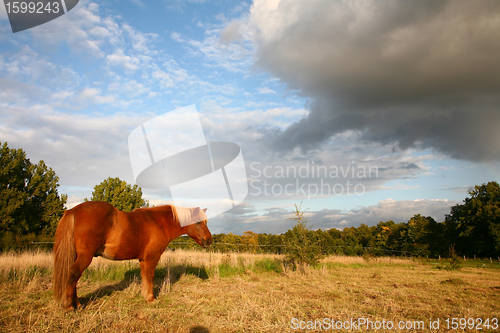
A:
(96, 228)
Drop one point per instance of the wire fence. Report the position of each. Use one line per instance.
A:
(241, 247)
(284, 246)
(238, 246)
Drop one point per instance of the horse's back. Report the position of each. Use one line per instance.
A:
(106, 231)
(97, 216)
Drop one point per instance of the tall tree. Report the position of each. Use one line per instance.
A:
(120, 194)
(250, 239)
(29, 200)
(382, 237)
(364, 234)
(477, 221)
(416, 235)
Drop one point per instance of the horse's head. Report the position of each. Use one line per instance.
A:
(198, 231)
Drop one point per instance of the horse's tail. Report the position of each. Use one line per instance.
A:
(64, 253)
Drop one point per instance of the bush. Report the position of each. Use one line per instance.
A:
(455, 262)
(301, 248)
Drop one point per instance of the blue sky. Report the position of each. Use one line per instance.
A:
(408, 88)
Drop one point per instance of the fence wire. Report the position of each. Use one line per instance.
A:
(238, 245)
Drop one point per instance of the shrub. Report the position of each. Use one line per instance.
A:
(301, 248)
(455, 262)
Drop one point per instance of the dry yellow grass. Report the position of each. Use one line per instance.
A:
(195, 296)
(24, 260)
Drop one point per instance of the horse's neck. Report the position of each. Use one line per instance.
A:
(170, 226)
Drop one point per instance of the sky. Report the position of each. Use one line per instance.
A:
(360, 111)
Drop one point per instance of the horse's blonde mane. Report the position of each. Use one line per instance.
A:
(185, 215)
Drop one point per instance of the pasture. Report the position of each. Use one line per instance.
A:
(199, 291)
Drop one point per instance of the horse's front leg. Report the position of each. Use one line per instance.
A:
(148, 265)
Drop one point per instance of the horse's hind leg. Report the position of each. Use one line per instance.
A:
(83, 261)
(148, 266)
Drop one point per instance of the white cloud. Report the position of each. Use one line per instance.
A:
(118, 58)
(165, 78)
(217, 53)
(73, 29)
(93, 96)
(130, 87)
(29, 66)
(83, 150)
(395, 210)
(100, 32)
(141, 42)
(266, 90)
(124, 60)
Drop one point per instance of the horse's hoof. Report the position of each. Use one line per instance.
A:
(69, 309)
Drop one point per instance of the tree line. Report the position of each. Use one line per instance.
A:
(30, 208)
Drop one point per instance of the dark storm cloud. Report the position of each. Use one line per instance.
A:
(420, 74)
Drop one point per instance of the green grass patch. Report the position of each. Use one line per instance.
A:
(109, 273)
(333, 265)
(226, 270)
(267, 265)
(29, 273)
(450, 264)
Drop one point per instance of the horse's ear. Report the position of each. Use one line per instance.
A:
(204, 210)
(196, 211)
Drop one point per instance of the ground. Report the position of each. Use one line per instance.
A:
(203, 292)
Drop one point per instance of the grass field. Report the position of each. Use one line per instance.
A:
(203, 292)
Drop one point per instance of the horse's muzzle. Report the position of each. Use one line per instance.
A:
(207, 242)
